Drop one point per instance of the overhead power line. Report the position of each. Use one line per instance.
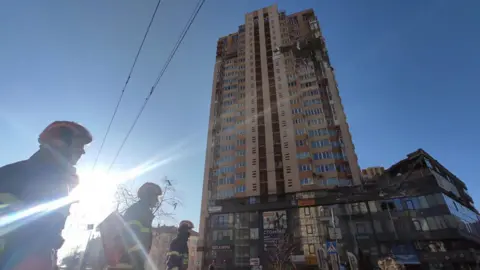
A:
(160, 75)
(126, 83)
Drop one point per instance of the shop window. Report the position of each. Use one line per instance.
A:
(410, 205)
(385, 206)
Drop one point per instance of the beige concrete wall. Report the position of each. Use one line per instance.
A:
(208, 160)
(349, 148)
(287, 130)
(252, 171)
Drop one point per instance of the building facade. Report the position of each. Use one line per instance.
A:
(277, 125)
(417, 212)
(193, 260)
(162, 237)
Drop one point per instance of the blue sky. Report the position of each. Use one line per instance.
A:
(408, 73)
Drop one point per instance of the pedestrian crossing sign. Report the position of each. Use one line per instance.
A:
(331, 247)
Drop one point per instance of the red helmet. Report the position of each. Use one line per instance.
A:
(149, 190)
(187, 224)
(65, 131)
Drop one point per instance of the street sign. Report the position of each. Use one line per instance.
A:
(331, 247)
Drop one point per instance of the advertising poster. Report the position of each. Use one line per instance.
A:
(274, 225)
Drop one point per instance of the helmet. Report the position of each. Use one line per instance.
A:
(186, 224)
(65, 131)
(149, 190)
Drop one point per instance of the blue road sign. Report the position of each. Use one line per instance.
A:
(331, 247)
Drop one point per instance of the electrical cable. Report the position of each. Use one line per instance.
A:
(160, 75)
(126, 83)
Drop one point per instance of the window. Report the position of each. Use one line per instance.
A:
(373, 206)
(410, 205)
(300, 131)
(423, 202)
(432, 223)
(306, 211)
(240, 164)
(240, 175)
(301, 143)
(303, 155)
(240, 153)
(306, 181)
(305, 167)
(309, 229)
(417, 225)
(322, 155)
(298, 120)
(240, 189)
(325, 168)
(387, 206)
(420, 224)
(311, 249)
(296, 111)
(441, 222)
(321, 143)
(254, 233)
(361, 228)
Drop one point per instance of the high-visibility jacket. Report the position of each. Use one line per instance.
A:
(139, 218)
(23, 186)
(177, 256)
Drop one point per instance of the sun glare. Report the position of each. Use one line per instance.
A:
(96, 199)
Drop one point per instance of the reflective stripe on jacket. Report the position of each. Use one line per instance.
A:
(139, 218)
(178, 254)
(27, 184)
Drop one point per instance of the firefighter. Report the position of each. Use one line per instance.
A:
(177, 257)
(139, 218)
(49, 174)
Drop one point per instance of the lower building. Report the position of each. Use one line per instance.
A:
(162, 237)
(372, 172)
(416, 212)
(193, 263)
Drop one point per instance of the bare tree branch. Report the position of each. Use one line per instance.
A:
(281, 252)
(168, 202)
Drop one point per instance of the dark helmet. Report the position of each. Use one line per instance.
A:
(185, 225)
(65, 131)
(149, 190)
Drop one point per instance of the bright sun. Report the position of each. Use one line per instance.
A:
(96, 196)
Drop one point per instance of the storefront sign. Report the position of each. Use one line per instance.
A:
(309, 202)
(214, 209)
(221, 247)
(305, 195)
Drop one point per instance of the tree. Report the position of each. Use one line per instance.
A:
(280, 253)
(168, 202)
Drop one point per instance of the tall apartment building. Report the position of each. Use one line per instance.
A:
(277, 125)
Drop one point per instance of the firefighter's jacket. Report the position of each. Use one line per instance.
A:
(177, 257)
(26, 188)
(139, 217)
